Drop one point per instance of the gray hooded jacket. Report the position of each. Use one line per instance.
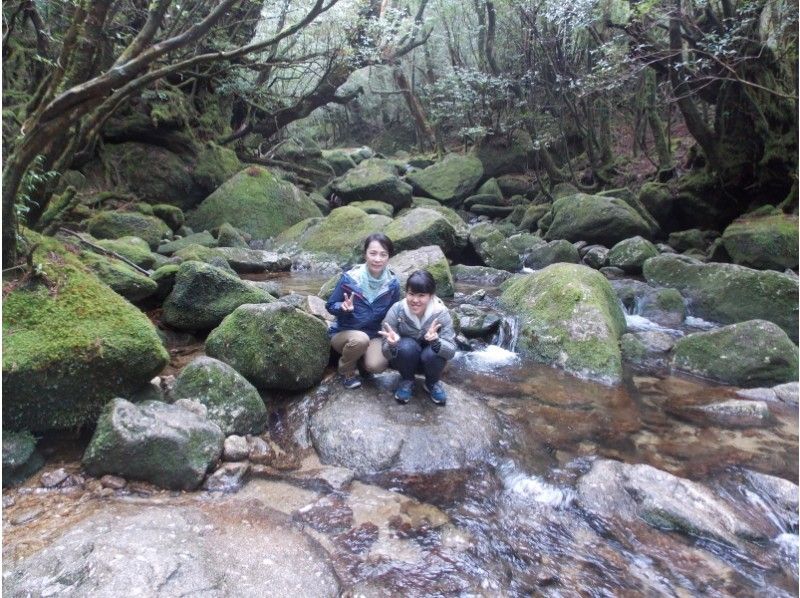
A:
(402, 321)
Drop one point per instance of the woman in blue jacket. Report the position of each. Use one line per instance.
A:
(360, 301)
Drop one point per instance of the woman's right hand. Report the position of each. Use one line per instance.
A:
(389, 334)
(347, 304)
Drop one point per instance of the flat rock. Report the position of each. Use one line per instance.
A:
(255, 260)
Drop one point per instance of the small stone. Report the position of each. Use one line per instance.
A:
(51, 479)
(787, 392)
(260, 451)
(113, 482)
(194, 406)
(74, 481)
(27, 516)
(140, 488)
(8, 501)
(227, 478)
(236, 448)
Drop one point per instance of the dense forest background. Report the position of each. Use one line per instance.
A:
(599, 93)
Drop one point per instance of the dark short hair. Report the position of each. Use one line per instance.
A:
(385, 242)
(421, 281)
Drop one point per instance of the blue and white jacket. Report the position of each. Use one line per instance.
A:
(365, 316)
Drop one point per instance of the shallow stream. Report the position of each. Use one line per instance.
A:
(509, 526)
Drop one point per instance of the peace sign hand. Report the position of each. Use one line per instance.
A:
(389, 334)
(347, 304)
(433, 332)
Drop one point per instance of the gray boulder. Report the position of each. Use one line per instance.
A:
(421, 227)
(232, 402)
(115, 225)
(204, 239)
(429, 258)
(595, 256)
(203, 295)
(448, 181)
(373, 179)
(631, 254)
(274, 346)
(474, 322)
(554, 252)
(352, 429)
(20, 457)
(693, 238)
(748, 354)
(763, 241)
(160, 443)
(244, 260)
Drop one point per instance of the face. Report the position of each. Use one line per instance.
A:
(376, 257)
(418, 302)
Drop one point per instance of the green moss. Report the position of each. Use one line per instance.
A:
(164, 277)
(532, 215)
(214, 165)
(126, 281)
(633, 349)
(204, 239)
(376, 180)
(448, 181)
(570, 317)
(230, 237)
(254, 201)
(70, 345)
(630, 254)
(172, 215)
(421, 227)
(135, 249)
(594, 219)
(768, 241)
(115, 225)
(374, 207)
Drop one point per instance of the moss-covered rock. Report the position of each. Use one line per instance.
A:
(630, 254)
(727, 293)
(375, 180)
(172, 215)
(569, 317)
(204, 239)
(167, 445)
(516, 184)
(230, 237)
(765, 242)
(693, 238)
(133, 248)
(231, 401)
(484, 199)
(563, 190)
(428, 258)
(657, 199)
(374, 207)
(448, 181)
(339, 235)
(126, 281)
(339, 160)
(274, 346)
(748, 354)
(203, 295)
(20, 457)
(554, 252)
(424, 202)
(632, 200)
(255, 201)
(494, 248)
(421, 227)
(115, 225)
(70, 344)
(596, 256)
(663, 306)
(164, 277)
(532, 215)
(244, 260)
(503, 154)
(490, 187)
(212, 166)
(594, 219)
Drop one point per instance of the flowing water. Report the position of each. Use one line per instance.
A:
(513, 526)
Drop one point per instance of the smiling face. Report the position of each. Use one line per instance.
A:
(376, 258)
(418, 302)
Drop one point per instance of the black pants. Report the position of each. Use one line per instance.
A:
(412, 357)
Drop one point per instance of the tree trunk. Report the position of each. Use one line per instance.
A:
(424, 130)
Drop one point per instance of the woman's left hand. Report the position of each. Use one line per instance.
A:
(433, 331)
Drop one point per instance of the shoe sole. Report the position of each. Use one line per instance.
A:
(441, 402)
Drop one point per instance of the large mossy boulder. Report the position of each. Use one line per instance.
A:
(256, 202)
(20, 457)
(764, 242)
(274, 346)
(373, 179)
(728, 293)
(631, 254)
(339, 235)
(430, 258)
(130, 283)
(554, 252)
(594, 219)
(203, 295)
(132, 248)
(658, 201)
(421, 227)
(748, 354)
(448, 181)
(203, 238)
(504, 154)
(339, 160)
(173, 216)
(569, 317)
(115, 225)
(692, 239)
(231, 401)
(167, 445)
(70, 344)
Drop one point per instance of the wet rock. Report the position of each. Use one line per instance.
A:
(737, 412)
(274, 346)
(51, 479)
(474, 322)
(113, 482)
(27, 516)
(369, 434)
(662, 306)
(757, 394)
(373, 179)
(194, 406)
(329, 515)
(532, 215)
(245, 260)
(630, 254)
(359, 539)
(20, 457)
(258, 451)
(649, 348)
(235, 448)
(781, 496)
(665, 501)
(448, 181)
(657, 199)
(203, 295)
(727, 293)
(339, 161)
(494, 248)
(256, 202)
(232, 402)
(570, 318)
(787, 392)
(174, 551)
(765, 241)
(595, 256)
(160, 443)
(748, 354)
(421, 227)
(612, 272)
(554, 252)
(664, 248)
(503, 154)
(228, 478)
(429, 258)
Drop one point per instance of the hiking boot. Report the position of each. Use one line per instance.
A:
(437, 392)
(351, 382)
(404, 391)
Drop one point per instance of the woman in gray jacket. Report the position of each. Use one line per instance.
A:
(417, 336)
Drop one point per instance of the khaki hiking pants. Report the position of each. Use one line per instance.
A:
(353, 345)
